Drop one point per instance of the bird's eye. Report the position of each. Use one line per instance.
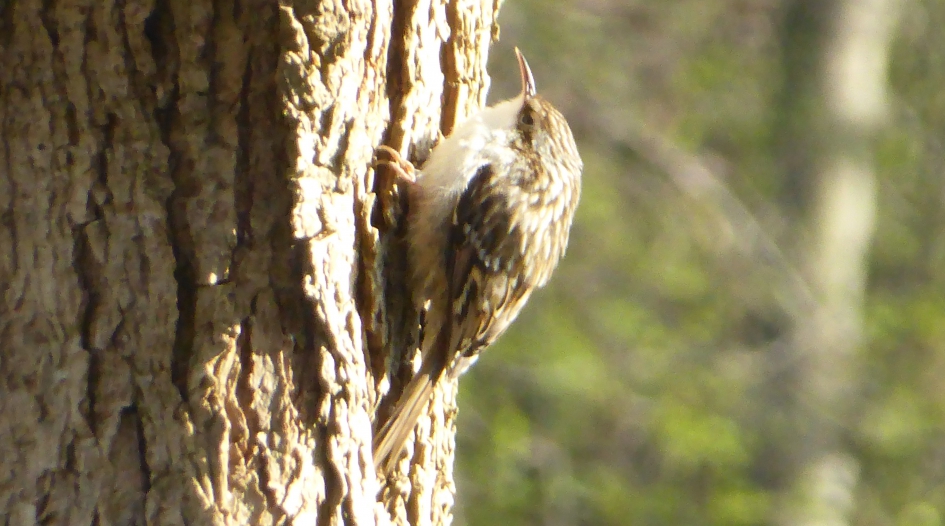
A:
(527, 119)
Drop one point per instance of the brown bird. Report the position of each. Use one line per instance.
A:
(489, 217)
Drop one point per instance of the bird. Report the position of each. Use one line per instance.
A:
(489, 217)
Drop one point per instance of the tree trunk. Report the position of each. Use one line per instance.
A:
(200, 287)
(835, 101)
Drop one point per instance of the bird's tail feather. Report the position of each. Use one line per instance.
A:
(389, 441)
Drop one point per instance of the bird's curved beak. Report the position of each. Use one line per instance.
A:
(528, 81)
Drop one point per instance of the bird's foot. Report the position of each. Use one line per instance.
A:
(402, 167)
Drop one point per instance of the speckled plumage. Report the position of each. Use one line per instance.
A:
(490, 214)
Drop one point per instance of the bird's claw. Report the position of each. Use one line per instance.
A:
(402, 167)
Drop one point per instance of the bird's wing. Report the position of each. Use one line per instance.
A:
(485, 288)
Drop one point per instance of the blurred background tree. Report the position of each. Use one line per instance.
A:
(749, 327)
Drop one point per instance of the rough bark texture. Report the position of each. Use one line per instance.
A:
(198, 294)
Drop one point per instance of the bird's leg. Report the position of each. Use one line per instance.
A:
(405, 173)
(402, 167)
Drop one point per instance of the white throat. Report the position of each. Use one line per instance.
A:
(481, 139)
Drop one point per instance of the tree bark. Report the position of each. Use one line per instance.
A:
(201, 276)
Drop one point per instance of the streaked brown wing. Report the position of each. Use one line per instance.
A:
(485, 290)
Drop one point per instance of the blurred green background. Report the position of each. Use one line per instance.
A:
(749, 325)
